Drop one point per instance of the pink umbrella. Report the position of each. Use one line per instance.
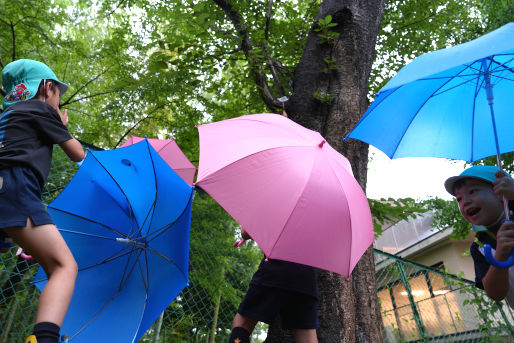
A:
(289, 189)
(171, 153)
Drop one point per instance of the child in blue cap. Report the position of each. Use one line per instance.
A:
(479, 191)
(30, 125)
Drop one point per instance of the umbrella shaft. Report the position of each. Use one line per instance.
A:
(131, 242)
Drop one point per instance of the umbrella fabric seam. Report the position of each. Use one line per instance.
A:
(296, 201)
(119, 187)
(89, 220)
(347, 207)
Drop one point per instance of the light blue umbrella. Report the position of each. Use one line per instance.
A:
(454, 103)
(126, 217)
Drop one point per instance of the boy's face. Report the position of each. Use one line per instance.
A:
(478, 203)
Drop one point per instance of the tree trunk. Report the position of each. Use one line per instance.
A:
(348, 310)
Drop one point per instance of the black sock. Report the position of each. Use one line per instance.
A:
(46, 332)
(238, 335)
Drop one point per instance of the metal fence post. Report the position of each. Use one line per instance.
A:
(507, 322)
(417, 317)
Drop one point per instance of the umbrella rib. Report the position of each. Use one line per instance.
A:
(127, 273)
(477, 88)
(152, 208)
(505, 68)
(420, 107)
(87, 234)
(108, 259)
(152, 250)
(89, 220)
(120, 188)
(161, 230)
(102, 309)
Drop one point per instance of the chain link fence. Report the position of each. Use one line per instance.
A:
(419, 304)
(422, 304)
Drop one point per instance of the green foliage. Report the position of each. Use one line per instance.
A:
(324, 98)
(323, 30)
(331, 65)
(390, 211)
(447, 214)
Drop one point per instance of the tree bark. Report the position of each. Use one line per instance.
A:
(348, 310)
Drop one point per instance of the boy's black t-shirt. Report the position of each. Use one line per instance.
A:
(28, 131)
(288, 276)
(479, 261)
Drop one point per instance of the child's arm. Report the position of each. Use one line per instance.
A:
(496, 281)
(71, 147)
(504, 185)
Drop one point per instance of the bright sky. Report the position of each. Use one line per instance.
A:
(414, 177)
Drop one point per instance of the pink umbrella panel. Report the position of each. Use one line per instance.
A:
(289, 189)
(172, 154)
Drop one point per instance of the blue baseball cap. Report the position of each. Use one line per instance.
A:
(484, 173)
(21, 80)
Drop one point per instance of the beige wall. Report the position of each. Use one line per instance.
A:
(450, 253)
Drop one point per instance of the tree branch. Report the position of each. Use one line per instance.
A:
(115, 8)
(67, 102)
(256, 69)
(13, 42)
(268, 19)
(139, 122)
(87, 97)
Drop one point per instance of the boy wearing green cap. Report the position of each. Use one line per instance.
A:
(479, 191)
(30, 125)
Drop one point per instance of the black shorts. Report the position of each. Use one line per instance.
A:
(20, 198)
(297, 310)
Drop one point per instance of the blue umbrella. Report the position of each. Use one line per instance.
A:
(126, 217)
(454, 103)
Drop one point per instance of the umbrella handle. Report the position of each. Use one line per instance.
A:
(490, 258)
(22, 254)
(237, 244)
(498, 264)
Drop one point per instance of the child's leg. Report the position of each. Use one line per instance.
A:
(305, 336)
(47, 246)
(242, 328)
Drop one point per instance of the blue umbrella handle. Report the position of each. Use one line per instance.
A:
(498, 264)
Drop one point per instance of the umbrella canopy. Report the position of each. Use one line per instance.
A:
(171, 153)
(289, 189)
(454, 103)
(126, 218)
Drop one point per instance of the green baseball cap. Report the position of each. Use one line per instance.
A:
(21, 80)
(484, 173)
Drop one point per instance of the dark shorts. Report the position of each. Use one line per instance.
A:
(20, 198)
(297, 310)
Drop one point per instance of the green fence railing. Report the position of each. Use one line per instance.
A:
(422, 304)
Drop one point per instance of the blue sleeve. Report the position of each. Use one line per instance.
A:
(481, 264)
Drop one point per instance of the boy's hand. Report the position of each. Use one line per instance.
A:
(504, 241)
(245, 235)
(504, 185)
(64, 116)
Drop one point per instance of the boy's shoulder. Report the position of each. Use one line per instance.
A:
(33, 106)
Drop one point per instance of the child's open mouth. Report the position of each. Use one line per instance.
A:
(472, 211)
